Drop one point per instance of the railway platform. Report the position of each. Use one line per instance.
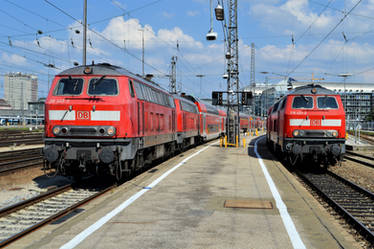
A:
(207, 197)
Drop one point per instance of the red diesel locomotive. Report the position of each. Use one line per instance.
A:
(102, 119)
(309, 122)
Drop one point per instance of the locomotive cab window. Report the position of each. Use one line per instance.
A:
(103, 86)
(302, 102)
(69, 86)
(327, 102)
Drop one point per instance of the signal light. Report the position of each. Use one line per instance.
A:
(246, 98)
(217, 98)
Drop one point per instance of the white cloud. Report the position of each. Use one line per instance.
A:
(167, 15)
(293, 13)
(193, 13)
(119, 30)
(13, 59)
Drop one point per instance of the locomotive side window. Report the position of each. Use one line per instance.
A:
(284, 103)
(69, 86)
(188, 107)
(275, 107)
(302, 102)
(103, 86)
(139, 90)
(327, 102)
(131, 87)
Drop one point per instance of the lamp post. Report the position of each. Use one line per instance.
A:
(266, 93)
(345, 75)
(142, 30)
(200, 76)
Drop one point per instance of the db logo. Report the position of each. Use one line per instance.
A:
(315, 122)
(83, 115)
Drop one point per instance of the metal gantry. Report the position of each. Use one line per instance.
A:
(232, 56)
(173, 76)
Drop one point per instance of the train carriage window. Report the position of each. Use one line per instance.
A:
(131, 88)
(158, 98)
(148, 93)
(283, 103)
(275, 108)
(302, 102)
(103, 86)
(327, 102)
(142, 91)
(171, 102)
(69, 86)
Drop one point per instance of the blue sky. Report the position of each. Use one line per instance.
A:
(115, 37)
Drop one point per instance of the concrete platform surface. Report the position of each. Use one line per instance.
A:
(187, 209)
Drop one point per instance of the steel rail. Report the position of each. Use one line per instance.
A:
(52, 217)
(359, 155)
(22, 166)
(359, 161)
(343, 207)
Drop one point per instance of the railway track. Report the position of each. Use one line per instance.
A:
(354, 203)
(24, 217)
(13, 160)
(358, 158)
(16, 138)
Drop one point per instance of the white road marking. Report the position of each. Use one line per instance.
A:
(286, 218)
(91, 229)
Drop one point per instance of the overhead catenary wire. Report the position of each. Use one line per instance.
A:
(34, 13)
(324, 38)
(103, 37)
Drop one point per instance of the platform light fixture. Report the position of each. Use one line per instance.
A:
(220, 16)
(211, 36)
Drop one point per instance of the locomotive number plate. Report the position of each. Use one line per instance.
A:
(85, 115)
(315, 122)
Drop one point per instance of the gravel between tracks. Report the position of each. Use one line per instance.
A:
(357, 173)
(23, 184)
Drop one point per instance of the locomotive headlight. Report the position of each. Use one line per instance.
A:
(56, 130)
(111, 131)
(296, 133)
(332, 133)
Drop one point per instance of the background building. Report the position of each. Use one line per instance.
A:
(19, 89)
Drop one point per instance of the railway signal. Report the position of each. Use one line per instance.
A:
(217, 97)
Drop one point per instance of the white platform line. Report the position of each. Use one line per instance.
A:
(286, 218)
(88, 231)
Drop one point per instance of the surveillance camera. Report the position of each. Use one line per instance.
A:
(225, 76)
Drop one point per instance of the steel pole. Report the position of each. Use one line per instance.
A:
(84, 32)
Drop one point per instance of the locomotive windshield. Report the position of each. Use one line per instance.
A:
(327, 102)
(302, 102)
(69, 86)
(102, 86)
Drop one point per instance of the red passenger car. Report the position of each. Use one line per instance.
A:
(210, 119)
(309, 122)
(187, 121)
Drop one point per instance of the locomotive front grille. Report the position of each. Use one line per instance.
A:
(83, 131)
(314, 133)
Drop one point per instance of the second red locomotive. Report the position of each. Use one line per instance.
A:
(309, 122)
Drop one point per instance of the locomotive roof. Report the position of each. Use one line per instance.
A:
(307, 89)
(106, 69)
